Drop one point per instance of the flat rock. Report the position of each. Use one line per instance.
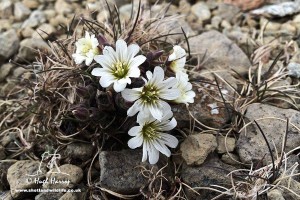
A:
(6, 9)
(21, 12)
(67, 177)
(205, 108)
(212, 172)
(29, 49)
(225, 144)
(275, 194)
(219, 52)
(62, 7)
(48, 196)
(4, 165)
(36, 18)
(120, 171)
(5, 70)
(201, 10)
(81, 151)
(22, 174)
(9, 44)
(43, 31)
(251, 145)
(32, 4)
(195, 148)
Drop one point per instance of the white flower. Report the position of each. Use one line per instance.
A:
(185, 87)
(86, 49)
(294, 69)
(118, 66)
(151, 134)
(148, 99)
(178, 59)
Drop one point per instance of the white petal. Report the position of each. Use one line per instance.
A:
(106, 80)
(169, 94)
(104, 61)
(87, 35)
(170, 82)
(134, 131)
(153, 154)
(169, 140)
(130, 94)
(167, 112)
(135, 142)
(168, 126)
(156, 112)
(126, 80)
(144, 117)
(88, 61)
(158, 75)
(118, 87)
(134, 72)
(98, 72)
(162, 148)
(109, 51)
(145, 152)
(164, 106)
(149, 75)
(137, 61)
(121, 49)
(132, 50)
(78, 58)
(134, 108)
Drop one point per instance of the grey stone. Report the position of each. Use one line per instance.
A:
(252, 147)
(225, 144)
(62, 7)
(212, 172)
(6, 9)
(5, 24)
(48, 196)
(5, 70)
(230, 159)
(19, 71)
(21, 12)
(22, 174)
(275, 194)
(219, 52)
(67, 177)
(121, 171)
(43, 31)
(195, 148)
(36, 18)
(70, 196)
(227, 11)
(30, 47)
(32, 4)
(9, 44)
(201, 10)
(80, 151)
(4, 165)
(205, 108)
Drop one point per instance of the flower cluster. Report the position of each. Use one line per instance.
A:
(120, 66)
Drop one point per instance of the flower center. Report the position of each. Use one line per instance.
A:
(120, 70)
(86, 48)
(149, 132)
(149, 94)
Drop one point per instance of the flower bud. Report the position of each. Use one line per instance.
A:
(102, 40)
(81, 113)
